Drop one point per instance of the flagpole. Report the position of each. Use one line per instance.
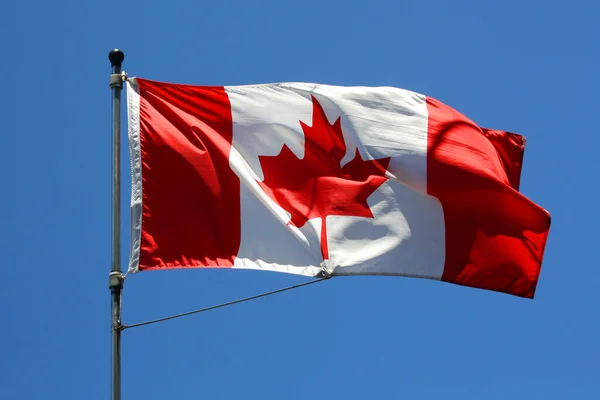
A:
(115, 278)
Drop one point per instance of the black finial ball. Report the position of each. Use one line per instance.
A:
(116, 57)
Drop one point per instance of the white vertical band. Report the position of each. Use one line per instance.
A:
(406, 234)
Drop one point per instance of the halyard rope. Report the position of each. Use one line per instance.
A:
(154, 321)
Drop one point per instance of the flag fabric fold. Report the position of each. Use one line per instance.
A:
(316, 179)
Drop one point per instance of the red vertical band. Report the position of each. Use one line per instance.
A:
(191, 197)
(495, 236)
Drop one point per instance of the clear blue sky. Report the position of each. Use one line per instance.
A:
(524, 66)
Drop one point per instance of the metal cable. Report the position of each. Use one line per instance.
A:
(154, 321)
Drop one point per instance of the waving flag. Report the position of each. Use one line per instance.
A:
(326, 180)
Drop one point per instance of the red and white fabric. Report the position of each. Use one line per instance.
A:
(314, 179)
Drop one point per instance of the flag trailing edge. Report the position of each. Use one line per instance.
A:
(315, 179)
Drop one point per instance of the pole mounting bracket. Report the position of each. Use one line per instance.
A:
(115, 280)
(116, 80)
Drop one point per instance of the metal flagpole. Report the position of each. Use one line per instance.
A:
(115, 278)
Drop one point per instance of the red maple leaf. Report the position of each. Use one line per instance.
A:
(316, 186)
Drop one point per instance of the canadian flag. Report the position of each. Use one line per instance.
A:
(325, 180)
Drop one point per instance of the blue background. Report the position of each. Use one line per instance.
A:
(526, 66)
